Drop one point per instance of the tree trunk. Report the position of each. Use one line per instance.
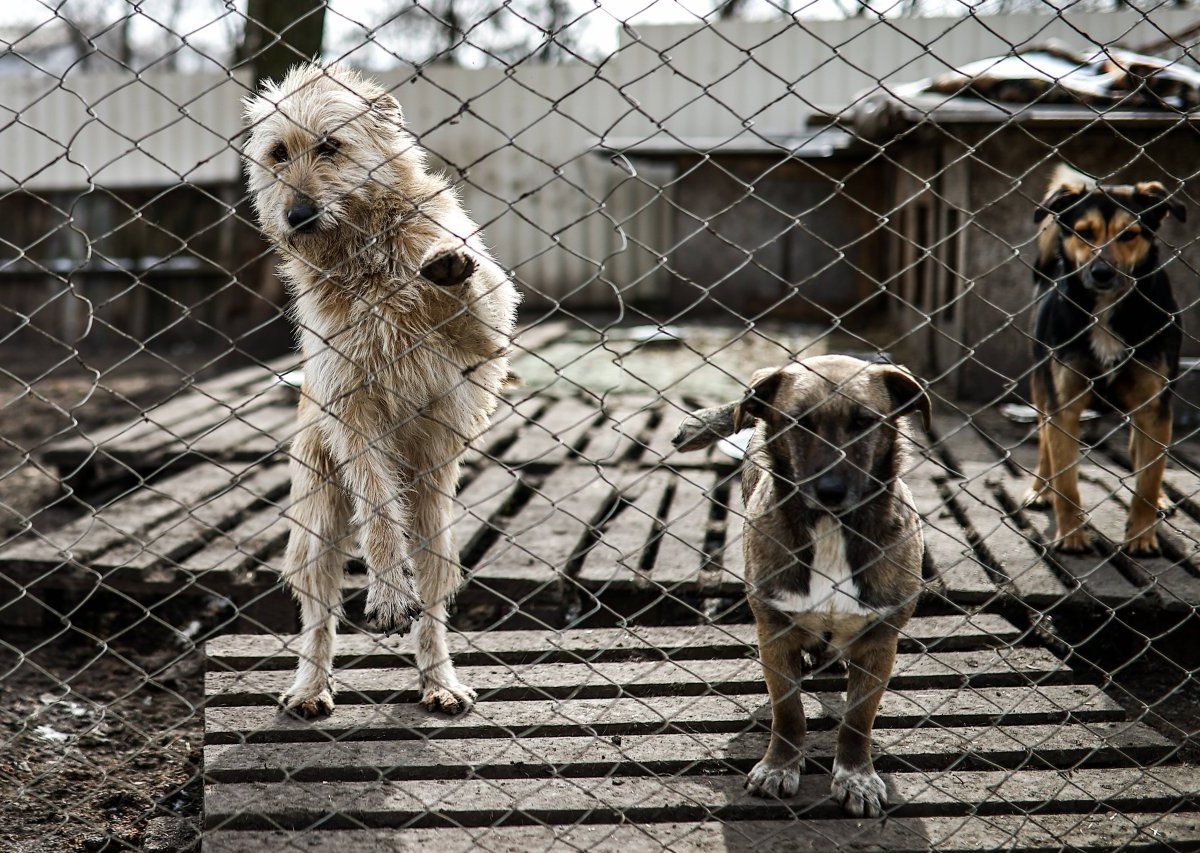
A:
(279, 34)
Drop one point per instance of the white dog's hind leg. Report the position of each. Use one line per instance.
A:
(313, 568)
(439, 576)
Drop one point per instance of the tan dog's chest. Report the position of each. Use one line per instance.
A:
(832, 609)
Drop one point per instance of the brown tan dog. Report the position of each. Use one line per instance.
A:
(833, 548)
(1107, 328)
(404, 320)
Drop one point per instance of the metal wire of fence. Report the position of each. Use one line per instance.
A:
(686, 200)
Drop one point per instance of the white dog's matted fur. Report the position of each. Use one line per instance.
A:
(404, 321)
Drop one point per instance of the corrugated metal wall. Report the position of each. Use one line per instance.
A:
(573, 224)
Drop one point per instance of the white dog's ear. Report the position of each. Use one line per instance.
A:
(759, 399)
(388, 108)
(906, 393)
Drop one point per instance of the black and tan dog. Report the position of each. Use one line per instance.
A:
(1107, 330)
(833, 548)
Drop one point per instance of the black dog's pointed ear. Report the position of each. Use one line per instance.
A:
(759, 399)
(1057, 202)
(1155, 203)
(906, 394)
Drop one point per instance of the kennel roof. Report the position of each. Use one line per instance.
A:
(1045, 84)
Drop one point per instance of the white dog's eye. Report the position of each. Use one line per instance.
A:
(279, 153)
(328, 147)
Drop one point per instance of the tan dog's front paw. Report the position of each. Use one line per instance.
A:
(771, 780)
(1035, 498)
(860, 792)
(449, 268)
(1145, 545)
(307, 706)
(1078, 541)
(454, 700)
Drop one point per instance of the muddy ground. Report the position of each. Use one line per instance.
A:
(99, 743)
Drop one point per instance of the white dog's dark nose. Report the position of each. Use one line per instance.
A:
(302, 216)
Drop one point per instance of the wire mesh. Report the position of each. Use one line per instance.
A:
(225, 624)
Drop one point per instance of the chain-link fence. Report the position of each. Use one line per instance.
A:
(216, 539)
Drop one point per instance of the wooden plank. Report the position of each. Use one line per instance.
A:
(128, 516)
(961, 632)
(547, 534)
(1100, 831)
(477, 506)
(1008, 547)
(961, 575)
(557, 435)
(261, 431)
(467, 802)
(244, 548)
(539, 333)
(1171, 578)
(364, 690)
(163, 544)
(728, 568)
(1099, 573)
(927, 748)
(622, 435)
(682, 550)
(510, 418)
(993, 668)
(218, 396)
(624, 552)
(953, 441)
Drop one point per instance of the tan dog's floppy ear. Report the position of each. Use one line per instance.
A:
(705, 427)
(757, 402)
(906, 393)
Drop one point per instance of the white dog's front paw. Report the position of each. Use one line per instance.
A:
(389, 612)
(773, 780)
(859, 791)
(450, 268)
(454, 700)
(307, 703)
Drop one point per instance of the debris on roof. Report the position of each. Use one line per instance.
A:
(1043, 83)
(1052, 74)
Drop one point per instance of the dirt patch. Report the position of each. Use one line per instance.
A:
(97, 743)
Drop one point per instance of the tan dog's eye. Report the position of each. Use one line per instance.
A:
(279, 153)
(862, 421)
(328, 147)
